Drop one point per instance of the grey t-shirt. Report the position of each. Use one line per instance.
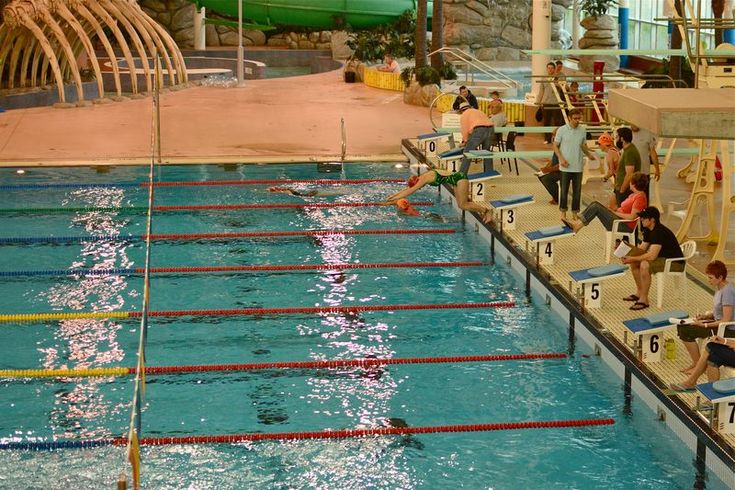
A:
(644, 141)
(724, 296)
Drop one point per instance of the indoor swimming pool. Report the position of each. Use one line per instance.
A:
(236, 289)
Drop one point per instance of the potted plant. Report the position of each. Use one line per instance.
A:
(601, 32)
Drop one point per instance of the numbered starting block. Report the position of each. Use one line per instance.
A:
(451, 159)
(429, 143)
(722, 395)
(478, 184)
(507, 206)
(591, 282)
(544, 239)
(649, 331)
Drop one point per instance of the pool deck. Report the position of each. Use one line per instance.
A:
(295, 119)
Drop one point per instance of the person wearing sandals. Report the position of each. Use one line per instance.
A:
(659, 244)
(628, 209)
(437, 178)
(705, 325)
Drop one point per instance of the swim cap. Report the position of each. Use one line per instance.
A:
(406, 207)
(605, 139)
(413, 180)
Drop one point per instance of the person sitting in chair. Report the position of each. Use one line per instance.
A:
(706, 325)
(628, 209)
(659, 244)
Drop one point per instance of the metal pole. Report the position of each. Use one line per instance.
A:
(575, 24)
(540, 39)
(240, 50)
(699, 43)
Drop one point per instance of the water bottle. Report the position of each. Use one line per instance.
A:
(670, 348)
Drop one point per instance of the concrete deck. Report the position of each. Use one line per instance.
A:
(293, 119)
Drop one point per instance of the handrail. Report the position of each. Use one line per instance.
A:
(344, 140)
(480, 66)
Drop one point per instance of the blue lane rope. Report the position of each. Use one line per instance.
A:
(68, 239)
(53, 445)
(71, 272)
(67, 186)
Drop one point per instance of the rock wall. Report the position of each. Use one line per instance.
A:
(303, 40)
(496, 30)
(177, 16)
(601, 33)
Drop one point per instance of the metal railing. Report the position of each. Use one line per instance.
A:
(469, 61)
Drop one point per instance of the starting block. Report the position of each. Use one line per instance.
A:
(544, 239)
(478, 184)
(722, 395)
(429, 143)
(649, 331)
(591, 281)
(451, 160)
(507, 207)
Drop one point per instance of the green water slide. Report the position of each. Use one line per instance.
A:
(323, 14)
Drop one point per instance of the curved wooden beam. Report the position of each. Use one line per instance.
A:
(18, 15)
(148, 34)
(111, 21)
(174, 50)
(100, 32)
(91, 7)
(25, 63)
(63, 43)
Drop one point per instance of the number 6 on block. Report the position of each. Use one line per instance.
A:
(651, 347)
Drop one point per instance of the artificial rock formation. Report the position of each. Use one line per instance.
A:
(496, 30)
(43, 42)
(602, 33)
(177, 17)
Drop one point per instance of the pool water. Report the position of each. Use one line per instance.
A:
(636, 452)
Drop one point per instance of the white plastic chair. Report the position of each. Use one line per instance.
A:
(621, 232)
(688, 248)
(726, 371)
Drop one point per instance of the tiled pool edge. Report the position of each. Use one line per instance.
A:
(717, 456)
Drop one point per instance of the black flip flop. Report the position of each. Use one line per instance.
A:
(632, 297)
(637, 306)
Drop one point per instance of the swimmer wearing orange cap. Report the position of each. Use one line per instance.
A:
(437, 178)
(404, 206)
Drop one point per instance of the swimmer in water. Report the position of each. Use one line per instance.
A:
(321, 192)
(436, 178)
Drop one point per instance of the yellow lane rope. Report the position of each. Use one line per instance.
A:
(63, 373)
(35, 317)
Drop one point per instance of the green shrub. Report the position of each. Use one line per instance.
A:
(396, 38)
(597, 8)
(425, 75)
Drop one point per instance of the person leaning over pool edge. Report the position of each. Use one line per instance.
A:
(438, 177)
(659, 244)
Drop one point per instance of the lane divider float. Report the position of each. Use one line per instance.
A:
(218, 236)
(238, 268)
(309, 435)
(325, 364)
(36, 317)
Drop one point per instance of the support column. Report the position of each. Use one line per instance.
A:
(540, 39)
(623, 17)
(729, 34)
(575, 24)
(240, 49)
(200, 29)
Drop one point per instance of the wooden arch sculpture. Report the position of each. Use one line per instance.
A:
(42, 41)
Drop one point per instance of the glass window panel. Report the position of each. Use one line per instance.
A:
(646, 11)
(645, 35)
(633, 9)
(662, 38)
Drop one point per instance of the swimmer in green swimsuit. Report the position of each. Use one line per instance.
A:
(438, 177)
(450, 179)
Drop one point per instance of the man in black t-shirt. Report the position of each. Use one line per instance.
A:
(465, 95)
(659, 244)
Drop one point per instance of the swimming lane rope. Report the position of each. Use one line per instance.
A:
(34, 317)
(83, 185)
(237, 268)
(213, 368)
(215, 236)
(309, 435)
(203, 207)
